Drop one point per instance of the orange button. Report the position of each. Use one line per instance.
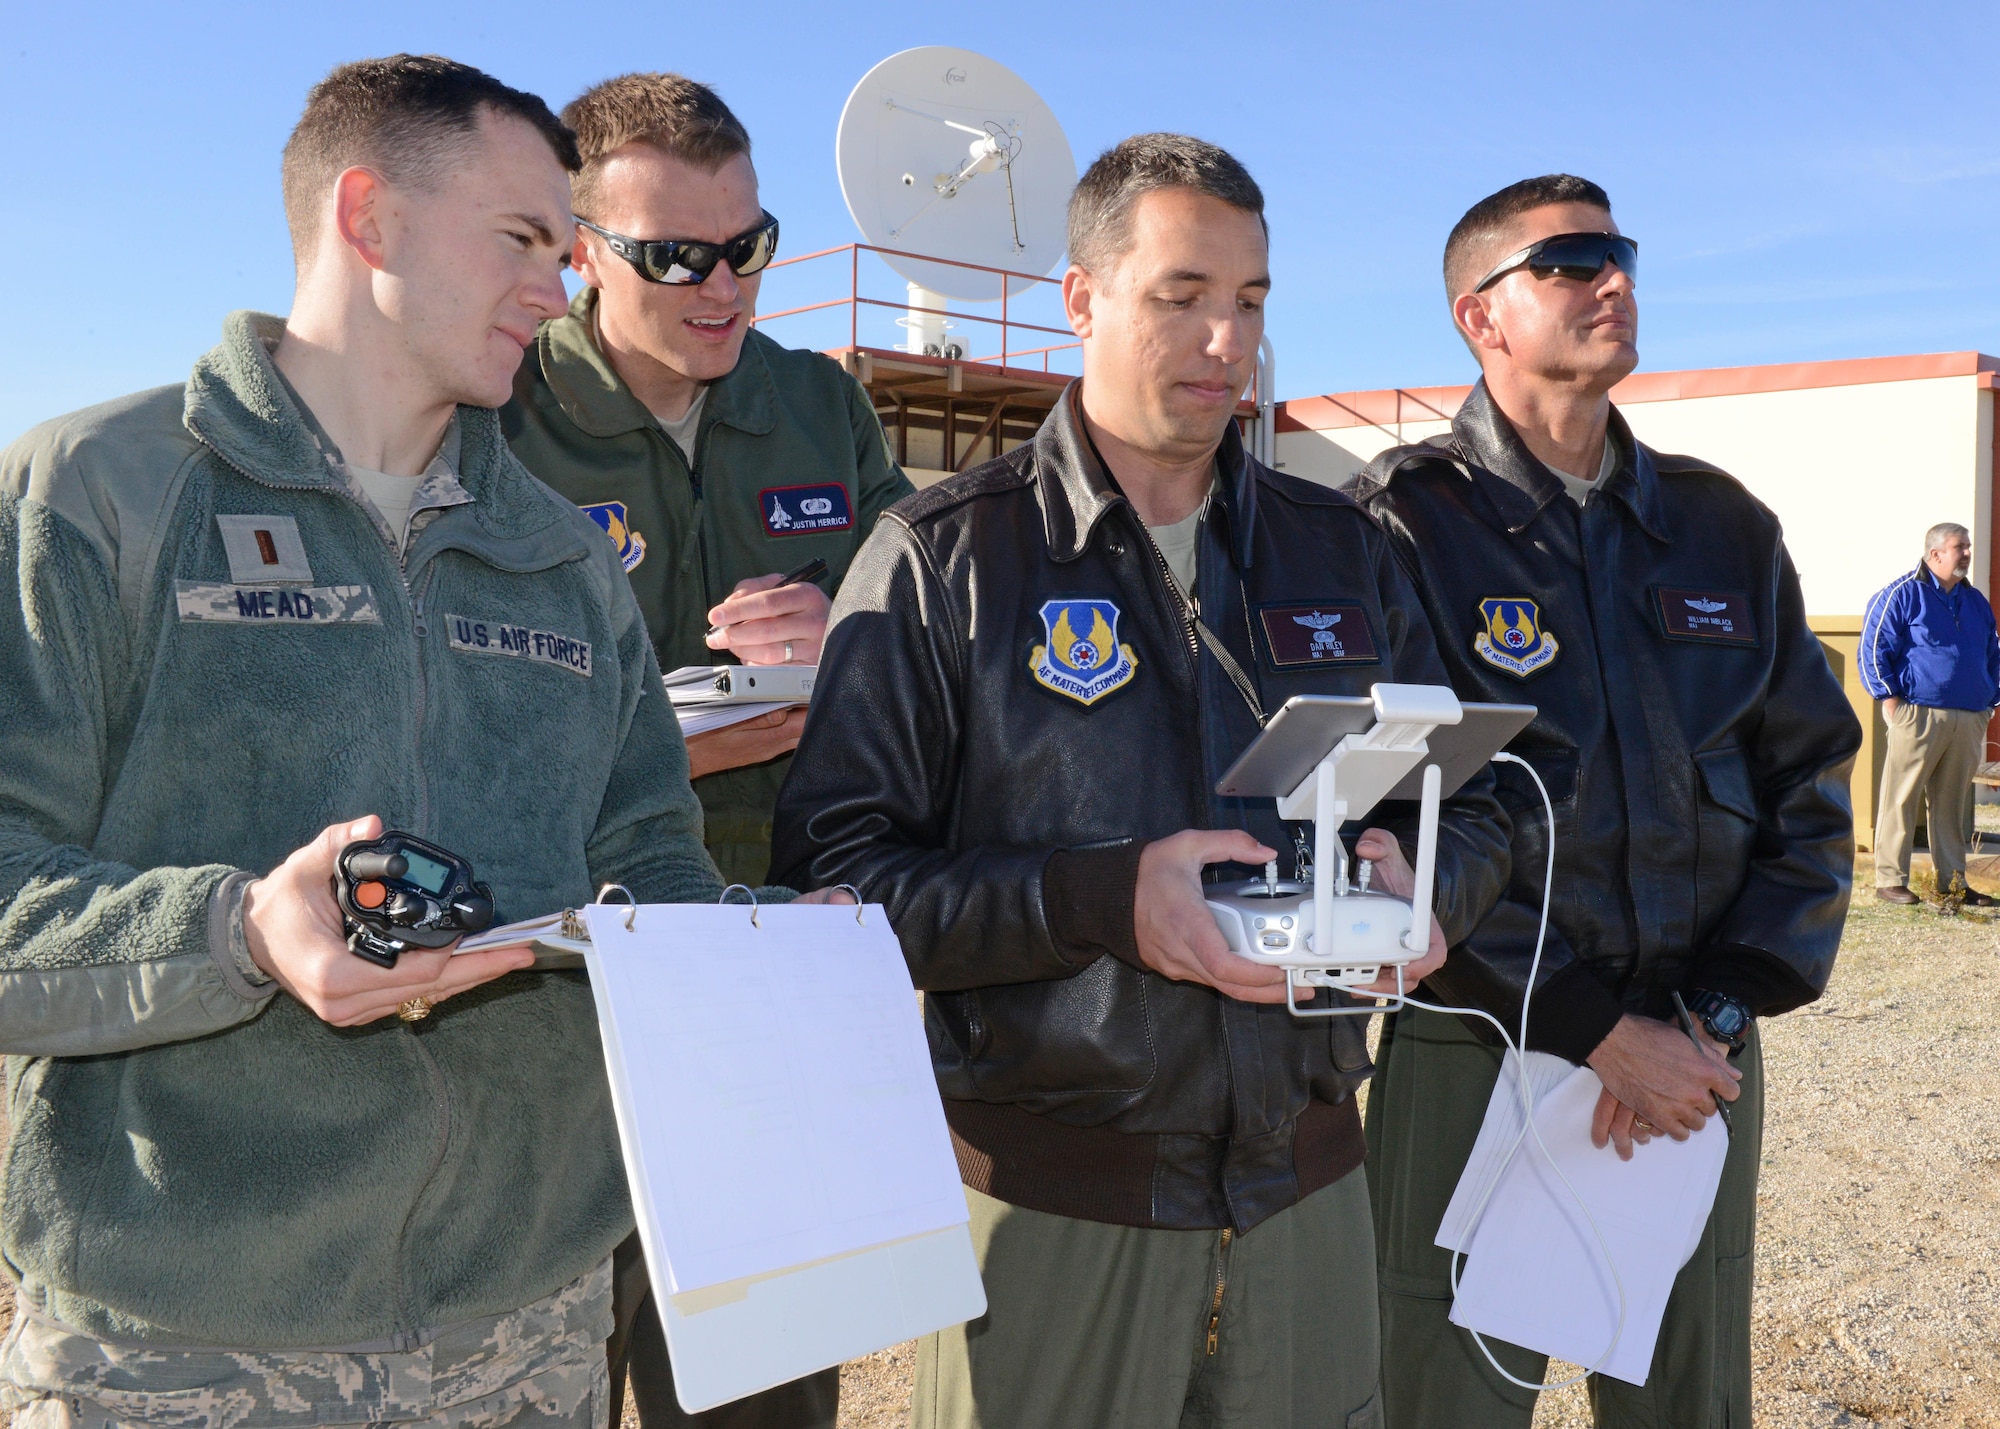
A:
(372, 894)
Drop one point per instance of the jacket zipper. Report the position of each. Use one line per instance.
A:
(1185, 603)
(420, 629)
(1221, 1284)
(693, 465)
(441, 1096)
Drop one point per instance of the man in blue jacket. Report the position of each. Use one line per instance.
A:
(1929, 653)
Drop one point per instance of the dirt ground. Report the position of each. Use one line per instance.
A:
(1878, 1255)
(1878, 1258)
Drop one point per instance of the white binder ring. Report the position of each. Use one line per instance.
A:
(629, 899)
(749, 893)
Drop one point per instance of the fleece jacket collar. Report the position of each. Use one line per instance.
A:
(1518, 485)
(595, 397)
(1076, 489)
(240, 406)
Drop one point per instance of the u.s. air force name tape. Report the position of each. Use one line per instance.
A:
(276, 604)
(497, 637)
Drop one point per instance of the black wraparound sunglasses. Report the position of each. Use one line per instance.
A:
(1581, 256)
(683, 262)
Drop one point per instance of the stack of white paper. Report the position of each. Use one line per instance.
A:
(1536, 1274)
(700, 719)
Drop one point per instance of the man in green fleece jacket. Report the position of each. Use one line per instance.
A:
(244, 631)
(716, 458)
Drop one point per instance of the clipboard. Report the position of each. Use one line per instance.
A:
(700, 1007)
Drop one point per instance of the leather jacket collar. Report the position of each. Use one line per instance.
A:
(1518, 485)
(1076, 490)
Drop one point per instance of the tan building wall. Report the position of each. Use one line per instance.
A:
(1857, 459)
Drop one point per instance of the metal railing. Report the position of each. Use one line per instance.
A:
(1008, 324)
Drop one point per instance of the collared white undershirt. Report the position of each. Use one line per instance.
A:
(392, 496)
(1579, 488)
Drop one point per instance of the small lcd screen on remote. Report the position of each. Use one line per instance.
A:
(427, 874)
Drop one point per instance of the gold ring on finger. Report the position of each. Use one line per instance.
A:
(1643, 1125)
(415, 1010)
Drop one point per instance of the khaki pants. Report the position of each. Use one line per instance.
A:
(1433, 1079)
(1932, 755)
(1093, 1326)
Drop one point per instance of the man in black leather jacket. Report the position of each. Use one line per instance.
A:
(1696, 748)
(1014, 744)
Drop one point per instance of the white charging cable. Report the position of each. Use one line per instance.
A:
(1527, 1098)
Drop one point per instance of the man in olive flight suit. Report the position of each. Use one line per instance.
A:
(718, 460)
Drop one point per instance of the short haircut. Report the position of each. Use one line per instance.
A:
(1942, 532)
(1468, 252)
(412, 118)
(1100, 208)
(682, 119)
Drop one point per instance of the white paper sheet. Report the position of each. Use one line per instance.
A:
(1546, 1072)
(773, 1088)
(700, 719)
(1534, 1273)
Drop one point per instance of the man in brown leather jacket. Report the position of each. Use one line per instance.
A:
(1696, 749)
(1034, 675)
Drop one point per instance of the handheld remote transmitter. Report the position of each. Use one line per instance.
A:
(398, 892)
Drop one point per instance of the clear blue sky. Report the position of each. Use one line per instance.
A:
(1806, 181)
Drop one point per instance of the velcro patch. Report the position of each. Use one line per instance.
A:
(264, 550)
(1710, 616)
(796, 510)
(497, 637)
(1332, 632)
(276, 604)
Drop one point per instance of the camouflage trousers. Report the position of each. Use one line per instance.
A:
(539, 1367)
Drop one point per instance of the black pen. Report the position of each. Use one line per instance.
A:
(1687, 1026)
(811, 571)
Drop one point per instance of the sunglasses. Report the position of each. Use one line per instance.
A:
(1581, 256)
(683, 262)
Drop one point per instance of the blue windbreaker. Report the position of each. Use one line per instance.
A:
(1929, 647)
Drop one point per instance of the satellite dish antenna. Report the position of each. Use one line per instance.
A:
(948, 154)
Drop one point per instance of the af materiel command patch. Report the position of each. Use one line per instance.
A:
(1513, 639)
(1082, 658)
(1709, 616)
(796, 510)
(1332, 632)
(610, 515)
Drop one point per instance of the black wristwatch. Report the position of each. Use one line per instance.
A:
(1726, 1019)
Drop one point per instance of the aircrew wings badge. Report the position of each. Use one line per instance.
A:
(1513, 639)
(1082, 658)
(611, 516)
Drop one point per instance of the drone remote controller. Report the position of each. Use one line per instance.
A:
(1272, 921)
(398, 892)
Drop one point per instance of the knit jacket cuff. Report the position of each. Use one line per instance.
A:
(1762, 982)
(228, 945)
(1087, 895)
(1571, 1013)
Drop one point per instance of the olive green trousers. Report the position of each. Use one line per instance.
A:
(1433, 1078)
(1094, 1326)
